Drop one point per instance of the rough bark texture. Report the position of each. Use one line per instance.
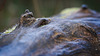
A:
(77, 34)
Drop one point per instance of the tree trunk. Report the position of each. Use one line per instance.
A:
(66, 34)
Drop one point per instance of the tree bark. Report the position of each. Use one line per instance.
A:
(75, 35)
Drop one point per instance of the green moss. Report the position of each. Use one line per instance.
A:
(67, 12)
(10, 30)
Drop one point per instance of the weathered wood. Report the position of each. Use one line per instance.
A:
(61, 35)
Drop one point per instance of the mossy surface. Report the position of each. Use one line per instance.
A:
(68, 12)
(10, 30)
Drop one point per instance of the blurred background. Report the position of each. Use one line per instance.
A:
(10, 10)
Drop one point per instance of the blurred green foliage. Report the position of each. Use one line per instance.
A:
(10, 10)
